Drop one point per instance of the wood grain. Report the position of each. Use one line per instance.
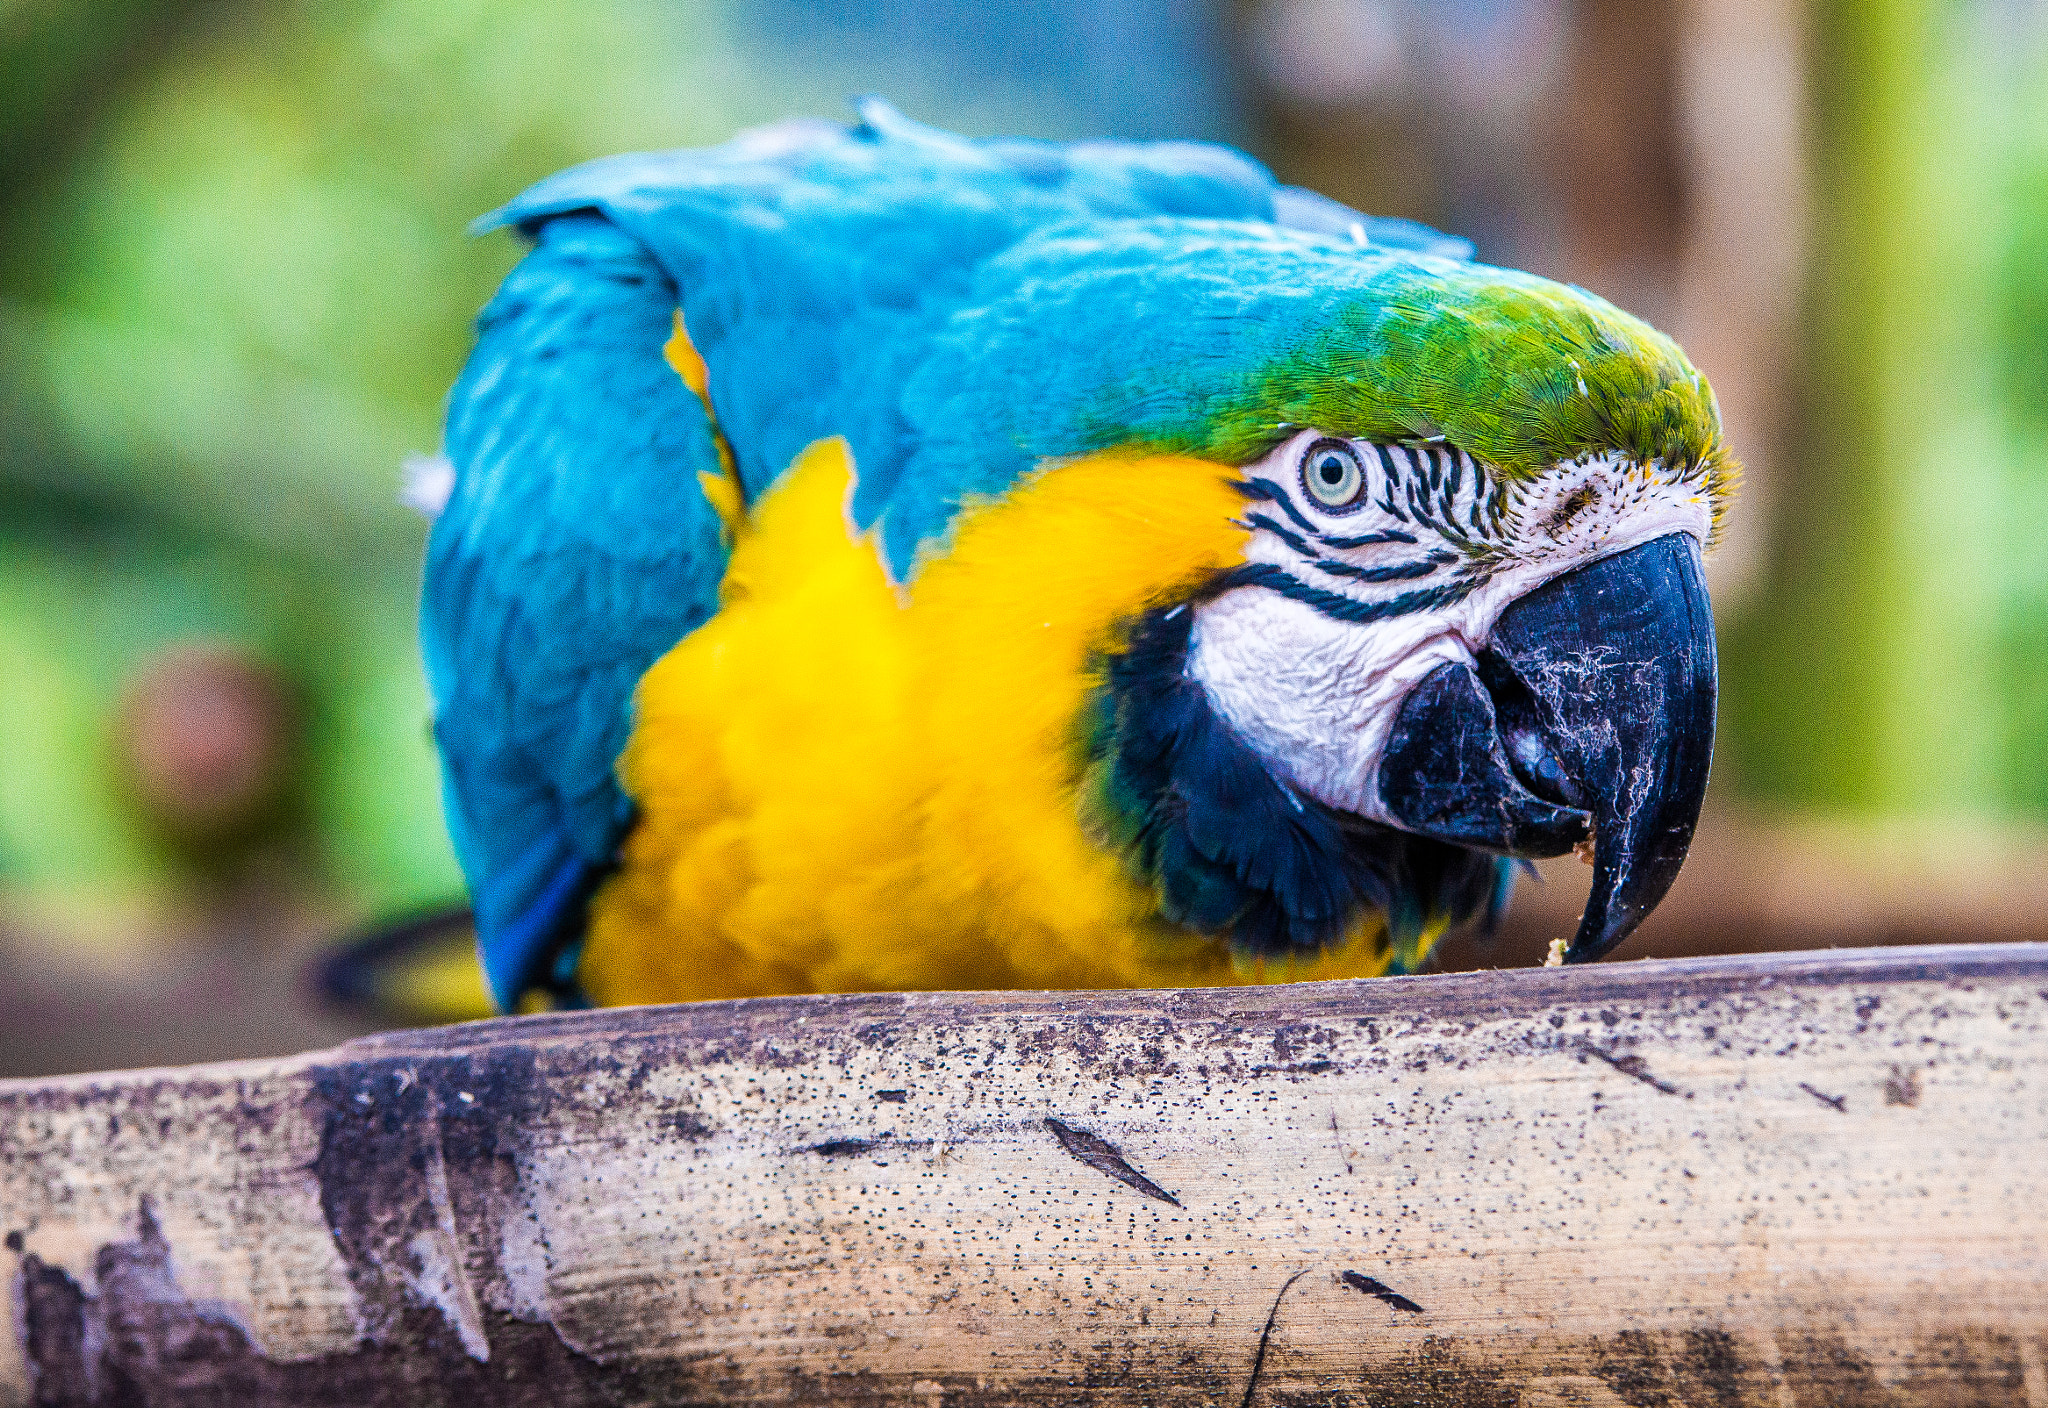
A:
(1787, 1179)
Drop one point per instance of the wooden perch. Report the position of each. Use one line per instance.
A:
(1802, 1179)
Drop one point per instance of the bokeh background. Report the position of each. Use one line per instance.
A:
(235, 283)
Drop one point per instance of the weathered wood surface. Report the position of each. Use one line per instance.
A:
(1785, 1180)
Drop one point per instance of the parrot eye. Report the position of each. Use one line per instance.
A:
(1333, 474)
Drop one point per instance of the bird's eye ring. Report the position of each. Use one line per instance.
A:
(1333, 474)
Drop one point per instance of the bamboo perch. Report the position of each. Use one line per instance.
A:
(1790, 1179)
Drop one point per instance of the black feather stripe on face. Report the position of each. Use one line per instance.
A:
(1230, 848)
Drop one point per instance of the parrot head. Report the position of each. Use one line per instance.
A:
(1470, 627)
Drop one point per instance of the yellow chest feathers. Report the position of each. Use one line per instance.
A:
(844, 788)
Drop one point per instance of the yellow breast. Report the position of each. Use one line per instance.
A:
(847, 787)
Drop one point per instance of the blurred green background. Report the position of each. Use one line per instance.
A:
(235, 284)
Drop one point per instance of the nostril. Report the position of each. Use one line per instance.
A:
(1523, 737)
(1537, 768)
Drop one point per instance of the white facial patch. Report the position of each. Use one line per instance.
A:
(1370, 565)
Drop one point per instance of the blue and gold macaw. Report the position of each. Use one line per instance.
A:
(879, 559)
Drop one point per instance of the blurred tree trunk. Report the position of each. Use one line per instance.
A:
(1864, 679)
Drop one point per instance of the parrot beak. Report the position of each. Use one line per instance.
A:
(1592, 710)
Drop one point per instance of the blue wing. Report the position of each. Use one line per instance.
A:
(836, 281)
(575, 548)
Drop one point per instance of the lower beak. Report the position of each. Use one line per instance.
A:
(1591, 711)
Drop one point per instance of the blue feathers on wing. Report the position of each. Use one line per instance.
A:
(574, 550)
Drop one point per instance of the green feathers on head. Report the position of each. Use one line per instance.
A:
(1519, 371)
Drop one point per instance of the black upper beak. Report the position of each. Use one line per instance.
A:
(1592, 710)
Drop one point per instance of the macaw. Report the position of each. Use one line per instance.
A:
(879, 559)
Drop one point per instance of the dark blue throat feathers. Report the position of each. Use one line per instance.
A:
(1231, 849)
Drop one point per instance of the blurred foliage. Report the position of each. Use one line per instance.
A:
(244, 301)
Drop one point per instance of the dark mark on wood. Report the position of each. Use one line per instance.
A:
(1099, 1154)
(1380, 1290)
(56, 1338)
(1265, 1336)
(1299, 1068)
(1337, 1137)
(1636, 1068)
(849, 1148)
(1902, 1087)
(1839, 1102)
(687, 1125)
(892, 1097)
(15, 1241)
(843, 1148)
